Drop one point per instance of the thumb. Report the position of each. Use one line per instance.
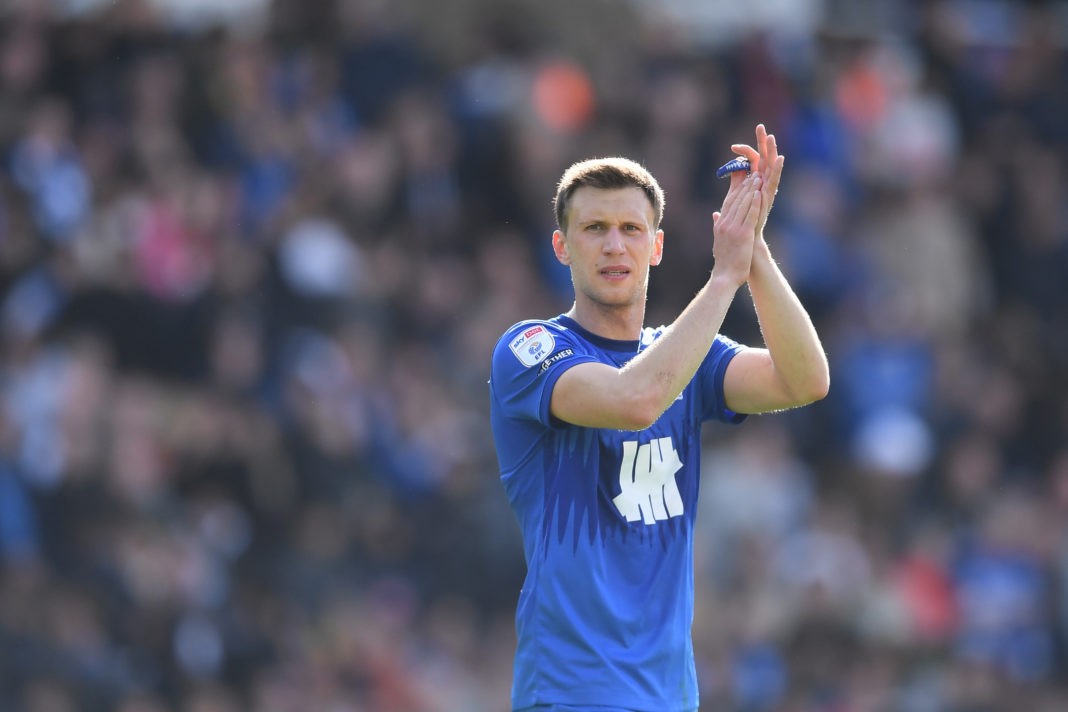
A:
(715, 218)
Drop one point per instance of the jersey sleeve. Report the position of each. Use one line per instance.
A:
(527, 362)
(710, 381)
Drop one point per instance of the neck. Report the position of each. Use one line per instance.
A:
(618, 323)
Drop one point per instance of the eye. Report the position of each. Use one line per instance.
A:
(631, 227)
(594, 226)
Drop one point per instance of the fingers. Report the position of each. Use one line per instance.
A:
(774, 166)
(770, 169)
(761, 158)
(736, 205)
(749, 201)
(771, 185)
(765, 166)
(734, 199)
(754, 213)
(761, 140)
(768, 150)
(772, 151)
(737, 178)
(743, 149)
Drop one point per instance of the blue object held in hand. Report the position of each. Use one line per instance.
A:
(737, 164)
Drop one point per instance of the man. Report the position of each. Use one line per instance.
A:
(597, 425)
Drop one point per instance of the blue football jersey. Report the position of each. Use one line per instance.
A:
(607, 517)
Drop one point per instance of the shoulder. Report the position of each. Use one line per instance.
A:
(529, 342)
(532, 341)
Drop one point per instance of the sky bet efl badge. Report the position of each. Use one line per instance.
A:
(533, 345)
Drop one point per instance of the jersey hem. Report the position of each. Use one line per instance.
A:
(605, 701)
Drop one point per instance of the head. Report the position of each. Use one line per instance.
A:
(606, 174)
(608, 211)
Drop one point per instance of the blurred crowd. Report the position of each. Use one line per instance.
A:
(251, 276)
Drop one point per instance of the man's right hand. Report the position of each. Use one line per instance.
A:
(734, 229)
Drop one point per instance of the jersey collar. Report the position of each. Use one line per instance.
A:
(624, 346)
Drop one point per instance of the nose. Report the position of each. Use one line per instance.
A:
(613, 242)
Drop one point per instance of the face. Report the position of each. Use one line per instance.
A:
(610, 244)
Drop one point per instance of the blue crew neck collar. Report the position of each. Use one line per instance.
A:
(622, 345)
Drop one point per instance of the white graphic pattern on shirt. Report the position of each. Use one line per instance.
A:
(647, 480)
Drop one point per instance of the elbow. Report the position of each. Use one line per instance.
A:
(822, 388)
(639, 412)
(814, 386)
(818, 386)
(637, 419)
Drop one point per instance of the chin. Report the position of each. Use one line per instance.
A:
(615, 302)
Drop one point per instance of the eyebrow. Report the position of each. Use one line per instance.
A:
(621, 221)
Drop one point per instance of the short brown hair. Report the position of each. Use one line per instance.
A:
(607, 174)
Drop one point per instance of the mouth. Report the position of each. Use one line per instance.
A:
(615, 273)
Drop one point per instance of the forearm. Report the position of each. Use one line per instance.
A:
(596, 395)
(789, 335)
(660, 373)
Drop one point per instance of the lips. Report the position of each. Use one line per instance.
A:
(615, 272)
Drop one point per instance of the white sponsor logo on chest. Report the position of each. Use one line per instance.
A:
(648, 489)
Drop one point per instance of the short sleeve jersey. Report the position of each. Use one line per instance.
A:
(605, 613)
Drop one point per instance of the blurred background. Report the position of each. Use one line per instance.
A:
(254, 257)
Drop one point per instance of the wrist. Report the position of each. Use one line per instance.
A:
(761, 254)
(760, 247)
(726, 280)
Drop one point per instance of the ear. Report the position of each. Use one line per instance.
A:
(658, 249)
(560, 248)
